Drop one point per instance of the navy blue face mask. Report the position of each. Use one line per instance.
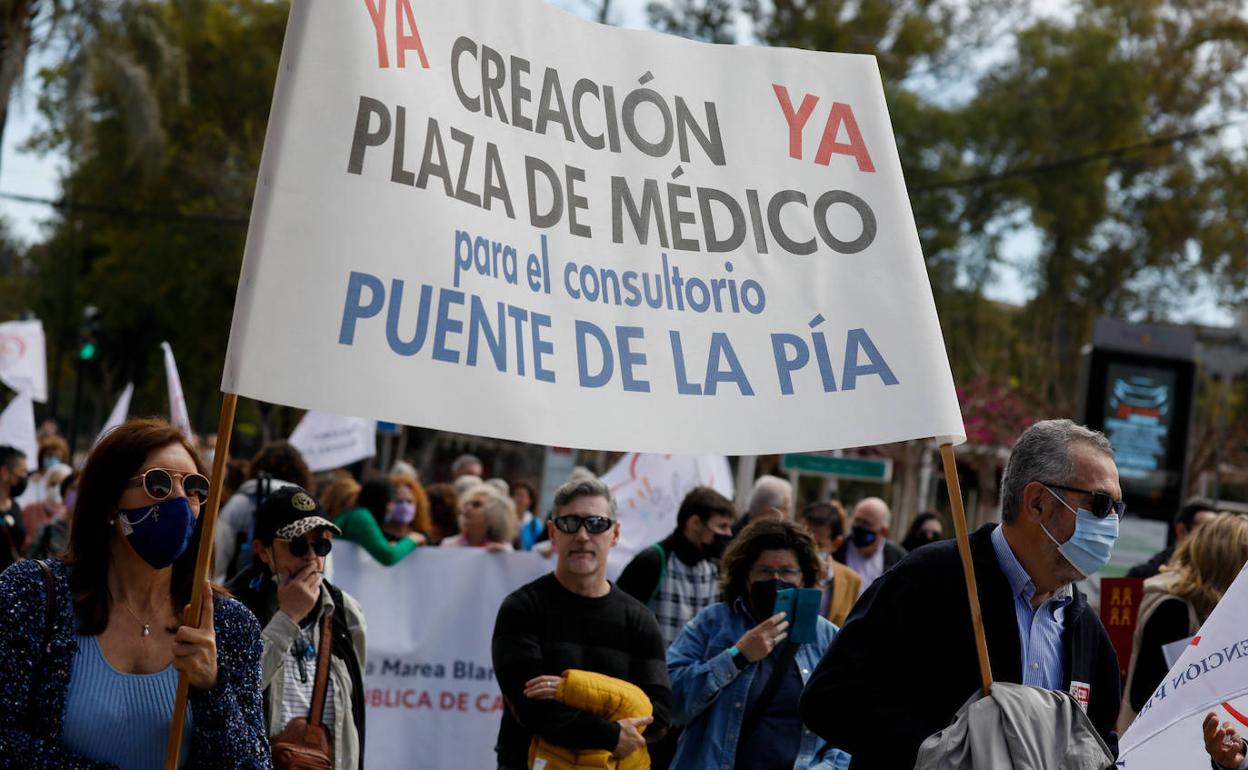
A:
(862, 536)
(159, 533)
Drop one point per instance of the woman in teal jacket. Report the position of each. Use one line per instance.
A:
(736, 713)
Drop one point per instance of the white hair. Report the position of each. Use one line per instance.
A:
(879, 503)
(464, 461)
(464, 483)
(770, 492)
(500, 484)
(404, 468)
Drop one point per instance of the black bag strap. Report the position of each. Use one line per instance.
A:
(783, 663)
(32, 715)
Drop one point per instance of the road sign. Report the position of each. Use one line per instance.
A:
(858, 468)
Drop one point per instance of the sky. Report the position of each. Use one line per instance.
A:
(32, 174)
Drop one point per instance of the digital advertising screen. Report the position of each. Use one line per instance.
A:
(1143, 404)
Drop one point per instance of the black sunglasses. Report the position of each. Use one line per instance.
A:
(594, 525)
(1102, 504)
(321, 546)
(158, 484)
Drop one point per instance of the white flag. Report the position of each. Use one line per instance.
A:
(330, 441)
(648, 490)
(17, 426)
(23, 362)
(178, 415)
(1211, 675)
(120, 411)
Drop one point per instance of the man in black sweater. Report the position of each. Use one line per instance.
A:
(575, 619)
(905, 661)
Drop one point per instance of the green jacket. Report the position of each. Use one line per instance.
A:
(359, 526)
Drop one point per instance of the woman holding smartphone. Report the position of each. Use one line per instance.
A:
(736, 680)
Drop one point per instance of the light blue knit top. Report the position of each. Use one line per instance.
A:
(122, 719)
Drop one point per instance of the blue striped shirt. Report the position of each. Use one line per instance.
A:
(121, 719)
(1039, 628)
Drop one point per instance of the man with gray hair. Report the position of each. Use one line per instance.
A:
(575, 619)
(905, 661)
(771, 498)
(867, 550)
(467, 465)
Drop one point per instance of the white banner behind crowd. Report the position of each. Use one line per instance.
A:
(500, 219)
(1211, 675)
(431, 695)
(23, 359)
(648, 489)
(329, 441)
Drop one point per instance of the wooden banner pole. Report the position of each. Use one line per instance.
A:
(968, 569)
(203, 562)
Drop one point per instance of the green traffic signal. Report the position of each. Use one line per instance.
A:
(87, 352)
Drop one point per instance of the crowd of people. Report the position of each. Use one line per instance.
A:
(690, 660)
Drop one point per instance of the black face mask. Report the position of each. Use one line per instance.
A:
(715, 548)
(763, 596)
(862, 537)
(18, 487)
(922, 537)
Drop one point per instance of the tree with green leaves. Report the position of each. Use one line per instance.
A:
(161, 105)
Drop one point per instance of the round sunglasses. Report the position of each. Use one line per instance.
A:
(299, 547)
(158, 484)
(594, 525)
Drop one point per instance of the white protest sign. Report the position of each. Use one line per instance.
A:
(121, 410)
(429, 682)
(178, 416)
(648, 490)
(17, 427)
(499, 219)
(1210, 675)
(329, 441)
(23, 360)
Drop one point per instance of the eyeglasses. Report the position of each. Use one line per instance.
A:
(320, 546)
(158, 483)
(1102, 504)
(777, 573)
(594, 525)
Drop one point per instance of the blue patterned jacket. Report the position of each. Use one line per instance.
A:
(228, 725)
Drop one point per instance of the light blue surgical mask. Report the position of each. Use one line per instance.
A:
(1088, 549)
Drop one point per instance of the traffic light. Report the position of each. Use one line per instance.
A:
(87, 333)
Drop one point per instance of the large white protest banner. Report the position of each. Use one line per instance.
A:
(1210, 675)
(23, 358)
(329, 441)
(431, 695)
(648, 489)
(499, 219)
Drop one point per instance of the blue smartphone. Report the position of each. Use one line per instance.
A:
(801, 608)
(786, 602)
